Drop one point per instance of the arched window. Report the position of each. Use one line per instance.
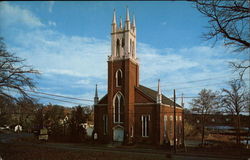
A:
(165, 125)
(123, 42)
(118, 77)
(130, 47)
(118, 108)
(133, 49)
(118, 48)
(121, 109)
(145, 125)
(171, 126)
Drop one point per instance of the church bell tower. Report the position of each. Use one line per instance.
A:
(123, 77)
(123, 43)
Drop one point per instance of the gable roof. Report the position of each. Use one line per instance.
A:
(102, 100)
(149, 92)
(153, 94)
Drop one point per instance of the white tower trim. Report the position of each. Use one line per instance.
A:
(159, 95)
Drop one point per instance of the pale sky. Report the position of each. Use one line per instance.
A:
(68, 42)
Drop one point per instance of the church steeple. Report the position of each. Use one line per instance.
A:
(96, 98)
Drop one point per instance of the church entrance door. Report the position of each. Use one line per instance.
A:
(118, 134)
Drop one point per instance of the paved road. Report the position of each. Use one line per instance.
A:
(9, 136)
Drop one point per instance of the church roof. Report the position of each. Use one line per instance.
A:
(147, 91)
(153, 94)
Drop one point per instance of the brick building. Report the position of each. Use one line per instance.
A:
(130, 112)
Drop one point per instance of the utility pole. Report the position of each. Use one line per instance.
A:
(183, 120)
(42, 119)
(174, 123)
(248, 134)
(19, 118)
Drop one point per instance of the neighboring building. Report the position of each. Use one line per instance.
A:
(215, 120)
(130, 112)
(89, 128)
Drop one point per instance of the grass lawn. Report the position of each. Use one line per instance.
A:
(33, 152)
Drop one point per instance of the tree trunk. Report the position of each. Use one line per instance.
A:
(238, 129)
(203, 130)
(248, 133)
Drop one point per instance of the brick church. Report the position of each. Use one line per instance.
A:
(132, 113)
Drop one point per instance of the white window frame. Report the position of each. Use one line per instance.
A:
(145, 125)
(105, 124)
(132, 131)
(118, 95)
(171, 118)
(165, 125)
(116, 77)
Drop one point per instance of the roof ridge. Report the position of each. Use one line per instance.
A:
(145, 92)
(103, 97)
(165, 99)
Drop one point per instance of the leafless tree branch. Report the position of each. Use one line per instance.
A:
(234, 102)
(14, 75)
(228, 21)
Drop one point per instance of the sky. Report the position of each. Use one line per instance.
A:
(69, 42)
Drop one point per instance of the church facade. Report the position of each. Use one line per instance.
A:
(132, 113)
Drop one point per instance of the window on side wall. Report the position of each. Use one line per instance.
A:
(105, 124)
(165, 125)
(145, 119)
(118, 77)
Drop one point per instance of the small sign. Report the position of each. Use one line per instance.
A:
(43, 131)
(43, 137)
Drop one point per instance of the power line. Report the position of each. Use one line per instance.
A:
(200, 80)
(57, 99)
(200, 86)
(196, 86)
(183, 97)
(55, 95)
(52, 98)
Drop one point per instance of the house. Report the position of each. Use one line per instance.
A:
(130, 112)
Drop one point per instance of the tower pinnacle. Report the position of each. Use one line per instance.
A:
(120, 22)
(159, 96)
(182, 101)
(114, 18)
(96, 98)
(127, 14)
(127, 25)
(114, 22)
(133, 24)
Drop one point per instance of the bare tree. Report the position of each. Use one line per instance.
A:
(6, 107)
(247, 104)
(204, 105)
(15, 76)
(234, 102)
(229, 21)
